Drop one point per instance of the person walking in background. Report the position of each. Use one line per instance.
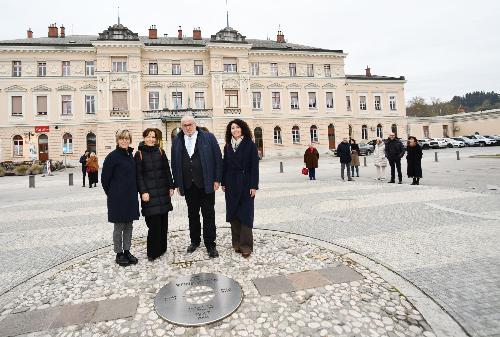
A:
(156, 187)
(83, 162)
(119, 182)
(379, 158)
(394, 151)
(93, 169)
(240, 182)
(355, 153)
(311, 158)
(197, 170)
(414, 160)
(344, 152)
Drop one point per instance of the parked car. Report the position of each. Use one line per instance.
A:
(438, 143)
(495, 138)
(482, 140)
(424, 143)
(452, 142)
(365, 149)
(467, 141)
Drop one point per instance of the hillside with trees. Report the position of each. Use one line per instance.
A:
(474, 101)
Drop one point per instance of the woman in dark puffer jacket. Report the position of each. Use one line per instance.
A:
(156, 187)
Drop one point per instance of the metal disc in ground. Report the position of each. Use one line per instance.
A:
(199, 299)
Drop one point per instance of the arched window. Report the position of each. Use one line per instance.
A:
(17, 146)
(394, 129)
(314, 134)
(379, 131)
(67, 143)
(277, 135)
(364, 132)
(91, 142)
(295, 134)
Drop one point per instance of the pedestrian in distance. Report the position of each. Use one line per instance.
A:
(394, 151)
(83, 162)
(197, 170)
(355, 153)
(344, 152)
(93, 169)
(311, 158)
(414, 160)
(119, 181)
(379, 158)
(240, 182)
(156, 187)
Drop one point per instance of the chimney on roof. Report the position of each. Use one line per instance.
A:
(368, 72)
(53, 31)
(153, 32)
(179, 33)
(62, 31)
(197, 34)
(30, 33)
(280, 38)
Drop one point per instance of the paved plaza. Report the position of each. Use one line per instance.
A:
(427, 257)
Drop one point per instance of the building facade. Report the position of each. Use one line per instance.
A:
(61, 95)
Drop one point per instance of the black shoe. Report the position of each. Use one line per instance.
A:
(192, 247)
(90, 186)
(400, 182)
(350, 179)
(391, 181)
(151, 259)
(131, 258)
(122, 260)
(357, 175)
(212, 252)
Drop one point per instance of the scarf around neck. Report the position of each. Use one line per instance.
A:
(235, 143)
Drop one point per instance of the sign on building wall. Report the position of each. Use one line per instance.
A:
(40, 129)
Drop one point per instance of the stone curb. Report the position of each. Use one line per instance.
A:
(439, 320)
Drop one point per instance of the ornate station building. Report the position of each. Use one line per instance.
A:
(61, 95)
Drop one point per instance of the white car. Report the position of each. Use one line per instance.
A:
(452, 142)
(467, 141)
(438, 143)
(483, 141)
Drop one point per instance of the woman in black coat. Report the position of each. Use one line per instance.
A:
(414, 160)
(156, 187)
(118, 179)
(240, 182)
(83, 161)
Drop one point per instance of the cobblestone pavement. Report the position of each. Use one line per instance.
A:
(361, 304)
(442, 236)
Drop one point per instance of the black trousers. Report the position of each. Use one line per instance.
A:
(242, 237)
(312, 173)
(84, 173)
(157, 235)
(396, 164)
(197, 199)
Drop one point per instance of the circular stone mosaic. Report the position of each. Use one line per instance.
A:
(367, 307)
(198, 299)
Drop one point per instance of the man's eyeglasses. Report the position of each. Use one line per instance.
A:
(187, 125)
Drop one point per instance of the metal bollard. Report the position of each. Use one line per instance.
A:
(32, 181)
(458, 155)
(364, 161)
(70, 176)
(281, 167)
(435, 156)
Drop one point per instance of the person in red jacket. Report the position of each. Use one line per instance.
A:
(311, 157)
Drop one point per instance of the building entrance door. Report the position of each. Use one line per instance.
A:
(259, 142)
(43, 147)
(331, 137)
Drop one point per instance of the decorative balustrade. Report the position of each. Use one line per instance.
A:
(177, 114)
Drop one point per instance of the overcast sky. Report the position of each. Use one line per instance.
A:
(444, 48)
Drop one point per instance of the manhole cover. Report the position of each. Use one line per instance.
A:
(199, 299)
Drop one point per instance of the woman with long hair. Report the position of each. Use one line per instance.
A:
(379, 158)
(156, 187)
(240, 182)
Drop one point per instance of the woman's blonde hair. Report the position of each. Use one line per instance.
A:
(123, 134)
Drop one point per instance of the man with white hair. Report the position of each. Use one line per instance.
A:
(197, 169)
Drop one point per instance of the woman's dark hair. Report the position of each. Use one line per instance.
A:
(414, 138)
(352, 140)
(148, 130)
(245, 130)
